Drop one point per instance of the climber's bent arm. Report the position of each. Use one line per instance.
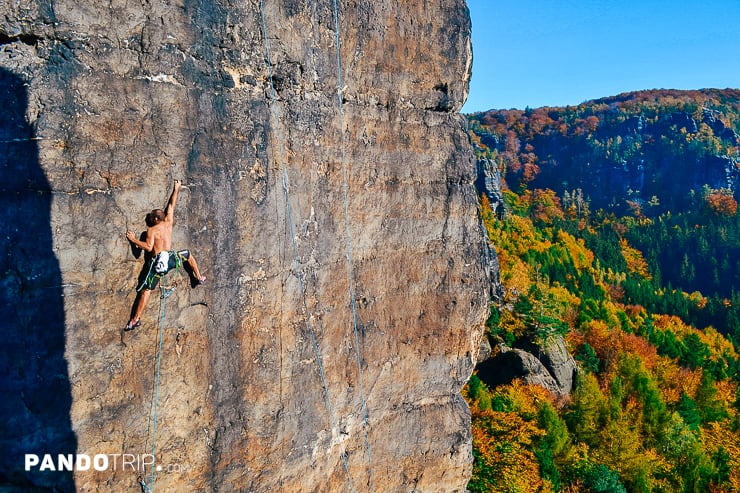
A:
(147, 245)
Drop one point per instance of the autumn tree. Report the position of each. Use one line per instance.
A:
(574, 203)
(588, 412)
(721, 202)
(545, 206)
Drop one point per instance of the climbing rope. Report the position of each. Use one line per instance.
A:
(296, 258)
(350, 272)
(163, 297)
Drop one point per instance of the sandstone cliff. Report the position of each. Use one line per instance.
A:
(104, 104)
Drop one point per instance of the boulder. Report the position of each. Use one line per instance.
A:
(549, 365)
(510, 364)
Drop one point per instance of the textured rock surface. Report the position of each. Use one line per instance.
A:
(111, 100)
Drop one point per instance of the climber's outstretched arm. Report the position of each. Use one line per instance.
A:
(170, 209)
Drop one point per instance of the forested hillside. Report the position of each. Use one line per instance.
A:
(666, 163)
(648, 152)
(637, 265)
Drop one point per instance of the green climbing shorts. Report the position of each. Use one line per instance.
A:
(159, 265)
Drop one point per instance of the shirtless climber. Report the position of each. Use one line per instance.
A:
(160, 259)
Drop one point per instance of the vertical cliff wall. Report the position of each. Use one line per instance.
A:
(110, 101)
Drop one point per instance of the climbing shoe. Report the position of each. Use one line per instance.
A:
(195, 282)
(132, 325)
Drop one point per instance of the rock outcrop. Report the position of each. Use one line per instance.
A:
(104, 104)
(548, 365)
(510, 364)
(554, 356)
(488, 183)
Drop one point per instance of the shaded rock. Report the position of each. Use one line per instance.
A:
(510, 364)
(682, 120)
(495, 288)
(710, 117)
(35, 388)
(550, 366)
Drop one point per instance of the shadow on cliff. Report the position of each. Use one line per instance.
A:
(35, 394)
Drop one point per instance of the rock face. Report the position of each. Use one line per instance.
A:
(104, 104)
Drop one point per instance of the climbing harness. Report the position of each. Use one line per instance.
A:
(296, 258)
(348, 242)
(160, 265)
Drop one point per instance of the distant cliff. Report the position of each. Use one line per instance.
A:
(651, 151)
(104, 104)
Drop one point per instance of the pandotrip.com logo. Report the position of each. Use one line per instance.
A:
(139, 463)
(85, 462)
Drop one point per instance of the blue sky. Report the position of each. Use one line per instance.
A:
(560, 52)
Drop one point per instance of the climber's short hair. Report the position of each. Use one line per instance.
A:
(155, 217)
